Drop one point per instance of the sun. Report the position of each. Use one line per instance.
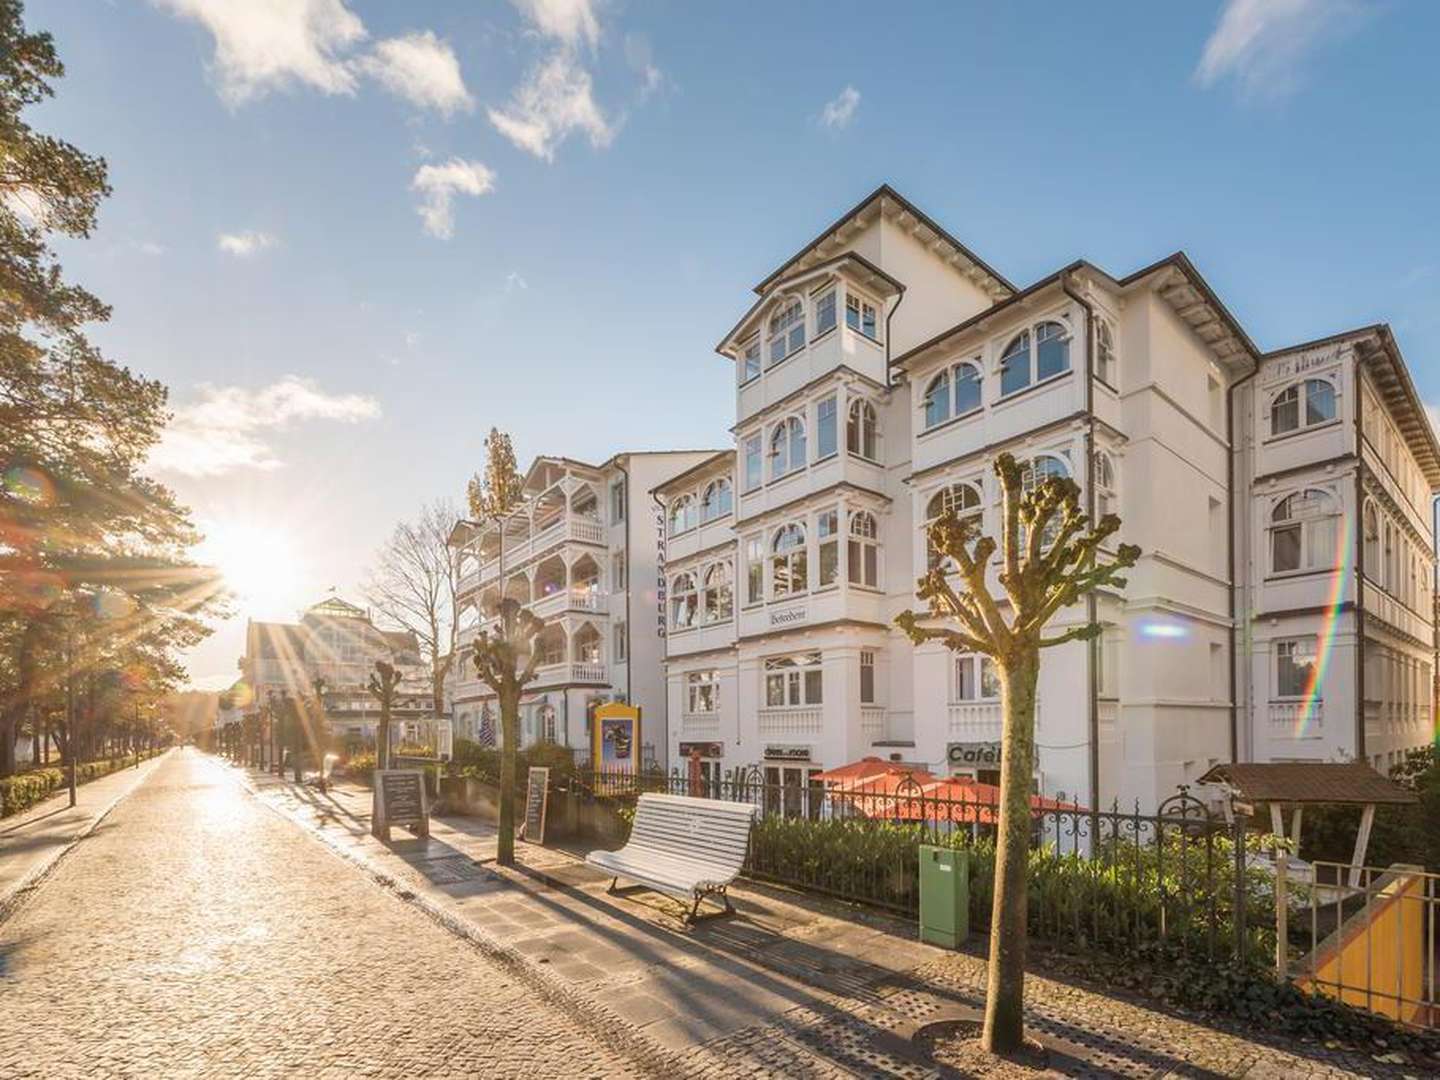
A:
(258, 564)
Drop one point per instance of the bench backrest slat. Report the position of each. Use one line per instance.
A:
(711, 832)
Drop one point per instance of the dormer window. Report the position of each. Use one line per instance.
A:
(750, 360)
(825, 312)
(787, 331)
(860, 315)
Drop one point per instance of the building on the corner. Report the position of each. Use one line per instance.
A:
(338, 642)
(584, 552)
(1281, 609)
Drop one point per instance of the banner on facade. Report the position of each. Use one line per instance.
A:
(974, 755)
(615, 739)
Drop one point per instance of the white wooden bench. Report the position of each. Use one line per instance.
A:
(683, 847)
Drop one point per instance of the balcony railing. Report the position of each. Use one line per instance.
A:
(975, 721)
(584, 530)
(872, 722)
(574, 671)
(700, 725)
(1297, 719)
(805, 720)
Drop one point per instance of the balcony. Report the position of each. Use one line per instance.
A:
(805, 720)
(1297, 719)
(700, 725)
(575, 671)
(872, 722)
(575, 528)
(976, 721)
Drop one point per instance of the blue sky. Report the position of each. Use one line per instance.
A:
(602, 182)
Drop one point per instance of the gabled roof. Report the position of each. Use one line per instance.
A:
(698, 467)
(1380, 355)
(886, 199)
(332, 607)
(1308, 782)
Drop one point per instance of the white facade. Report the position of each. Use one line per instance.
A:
(581, 552)
(880, 372)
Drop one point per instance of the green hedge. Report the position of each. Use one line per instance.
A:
(24, 790)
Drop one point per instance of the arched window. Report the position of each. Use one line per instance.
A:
(547, 731)
(937, 399)
(1303, 405)
(684, 601)
(1052, 350)
(862, 434)
(1303, 530)
(864, 551)
(1035, 472)
(587, 646)
(789, 570)
(962, 500)
(787, 447)
(787, 330)
(1106, 365)
(1106, 493)
(1374, 569)
(1015, 364)
(967, 388)
(719, 603)
(1388, 575)
(827, 537)
(682, 514)
(717, 501)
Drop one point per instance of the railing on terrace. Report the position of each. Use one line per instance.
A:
(872, 721)
(574, 527)
(806, 720)
(977, 721)
(1298, 715)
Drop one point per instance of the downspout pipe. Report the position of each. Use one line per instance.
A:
(1091, 604)
(898, 301)
(1230, 501)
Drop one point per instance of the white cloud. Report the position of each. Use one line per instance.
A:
(642, 62)
(262, 45)
(225, 429)
(555, 100)
(572, 22)
(1262, 43)
(244, 244)
(439, 184)
(840, 110)
(422, 69)
(514, 282)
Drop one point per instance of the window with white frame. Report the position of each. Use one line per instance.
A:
(962, 500)
(793, 680)
(937, 400)
(683, 515)
(789, 571)
(1295, 668)
(1035, 472)
(754, 570)
(617, 502)
(750, 360)
(867, 677)
(754, 461)
(702, 692)
(1305, 404)
(1022, 365)
(787, 331)
(547, 723)
(862, 430)
(1107, 368)
(825, 428)
(619, 576)
(1374, 569)
(827, 533)
(684, 601)
(862, 315)
(825, 312)
(1303, 531)
(719, 605)
(787, 447)
(967, 379)
(1106, 493)
(717, 500)
(864, 552)
(976, 678)
(955, 392)
(621, 640)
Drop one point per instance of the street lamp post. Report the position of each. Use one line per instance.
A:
(317, 736)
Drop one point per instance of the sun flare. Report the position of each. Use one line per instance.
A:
(258, 565)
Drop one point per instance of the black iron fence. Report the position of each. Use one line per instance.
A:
(1121, 881)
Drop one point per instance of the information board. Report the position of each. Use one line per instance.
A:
(399, 799)
(536, 800)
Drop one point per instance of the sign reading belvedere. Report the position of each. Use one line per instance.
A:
(399, 799)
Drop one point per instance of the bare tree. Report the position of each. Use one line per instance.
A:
(1050, 559)
(414, 584)
(382, 686)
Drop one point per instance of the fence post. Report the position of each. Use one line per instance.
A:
(1240, 891)
(1282, 912)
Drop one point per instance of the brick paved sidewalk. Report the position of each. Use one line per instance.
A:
(33, 840)
(793, 985)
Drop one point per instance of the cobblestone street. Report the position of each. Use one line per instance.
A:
(196, 933)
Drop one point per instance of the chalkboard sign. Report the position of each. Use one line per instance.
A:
(535, 801)
(399, 800)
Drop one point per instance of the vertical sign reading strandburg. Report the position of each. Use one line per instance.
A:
(399, 799)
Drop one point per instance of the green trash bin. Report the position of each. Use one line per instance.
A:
(944, 896)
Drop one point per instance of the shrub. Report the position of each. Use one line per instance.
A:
(24, 790)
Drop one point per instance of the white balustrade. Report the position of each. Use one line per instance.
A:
(872, 722)
(1297, 719)
(790, 721)
(976, 721)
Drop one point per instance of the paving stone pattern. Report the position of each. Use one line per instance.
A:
(196, 933)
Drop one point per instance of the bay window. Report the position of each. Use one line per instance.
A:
(754, 451)
(793, 680)
(754, 570)
(1020, 365)
(1304, 528)
(864, 551)
(682, 515)
(750, 360)
(827, 529)
(787, 331)
(962, 500)
(1106, 367)
(862, 431)
(953, 392)
(717, 500)
(702, 692)
(937, 400)
(825, 313)
(861, 315)
(789, 572)
(1035, 472)
(719, 603)
(825, 433)
(1305, 404)
(1106, 498)
(787, 447)
(1015, 364)
(684, 602)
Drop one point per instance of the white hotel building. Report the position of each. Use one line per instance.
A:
(1282, 502)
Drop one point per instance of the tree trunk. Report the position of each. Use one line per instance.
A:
(1005, 994)
(509, 743)
(382, 738)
